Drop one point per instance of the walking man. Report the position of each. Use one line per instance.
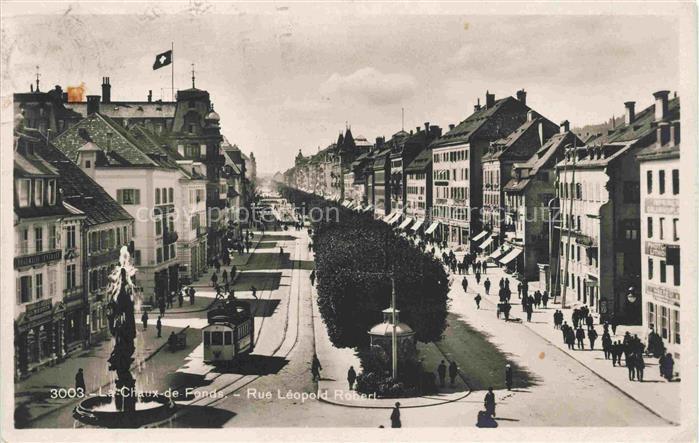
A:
(214, 279)
(486, 285)
(442, 371)
(395, 416)
(144, 319)
(351, 377)
(580, 335)
(254, 291)
(316, 368)
(545, 298)
(477, 298)
(313, 277)
(489, 402)
(464, 284)
(592, 336)
(159, 327)
(508, 376)
(80, 380)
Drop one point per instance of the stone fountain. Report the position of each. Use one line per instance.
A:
(124, 406)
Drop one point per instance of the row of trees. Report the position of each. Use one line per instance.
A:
(355, 256)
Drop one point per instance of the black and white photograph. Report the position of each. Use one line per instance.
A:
(349, 221)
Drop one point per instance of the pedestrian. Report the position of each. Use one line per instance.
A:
(537, 298)
(530, 310)
(640, 366)
(667, 367)
(506, 310)
(254, 291)
(281, 251)
(630, 365)
(313, 277)
(589, 321)
(545, 298)
(606, 345)
(144, 319)
(351, 377)
(80, 381)
(464, 284)
(159, 327)
(217, 265)
(478, 277)
(224, 277)
(180, 298)
(477, 298)
(519, 290)
(486, 285)
(161, 306)
(191, 295)
(499, 309)
(170, 298)
(614, 323)
(489, 402)
(214, 279)
(316, 368)
(453, 371)
(234, 271)
(570, 337)
(592, 336)
(508, 376)
(580, 336)
(171, 340)
(395, 416)
(442, 372)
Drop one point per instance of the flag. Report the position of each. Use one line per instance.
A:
(163, 59)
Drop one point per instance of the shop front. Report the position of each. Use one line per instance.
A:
(39, 337)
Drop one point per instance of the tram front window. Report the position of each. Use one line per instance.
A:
(207, 337)
(227, 338)
(217, 338)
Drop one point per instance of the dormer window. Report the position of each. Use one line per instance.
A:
(192, 128)
(51, 192)
(192, 104)
(39, 192)
(23, 192)
(88, 164)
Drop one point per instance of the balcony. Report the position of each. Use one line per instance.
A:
(170, 237)
(38, 258)
(72, 294)
(100, 257)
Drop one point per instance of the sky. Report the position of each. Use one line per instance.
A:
(285, 78)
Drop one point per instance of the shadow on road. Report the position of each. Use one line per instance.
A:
(202, 417)
(263, 308)
(254, 365)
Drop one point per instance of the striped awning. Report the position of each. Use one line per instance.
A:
(350, 205)
(418, 223)
(432, 227)
(368, 208)
(510, 256)
(388, 216)
(479, 236)
(486, 243)
(499, 252)
(405, 223)
(397, 217)
(345, 203)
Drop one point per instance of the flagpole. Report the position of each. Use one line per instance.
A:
(172, 55)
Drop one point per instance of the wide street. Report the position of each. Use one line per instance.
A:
(560, 391)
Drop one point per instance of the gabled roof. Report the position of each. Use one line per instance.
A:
(129, 110)
(421, 162)
(464, 131)
(517, 142)
(81, 191)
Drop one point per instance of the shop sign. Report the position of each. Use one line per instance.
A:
(663, 294)
(38, 308)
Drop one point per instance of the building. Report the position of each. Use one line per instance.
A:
(530, 240)
(418, 190)
(50, 305)
(143, 178)
(106, 228)
(599, 193)
(660, 235)
(456, 166)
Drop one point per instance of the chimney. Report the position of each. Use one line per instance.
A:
(435, 131)
(531, 115)
(427, 127)
(64, 97)
(565, 126)
(106, 90)
(522, 96)
(661, 105)
(663, 133)
(150, 95)
(489, 100)
(93, 104)
(477, 106)
(451, 126)
(630, 112)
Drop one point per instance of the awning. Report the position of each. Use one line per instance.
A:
(418, 223)
(432, 227)
(396, 218)
(510, 256)
(479, 236)
(350, 205)
(485, 244)
(499, 252)
(358, 208)
(405, 223)
(345, 203)
(368, 208)
(388, 216)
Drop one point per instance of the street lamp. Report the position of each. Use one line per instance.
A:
(630, 296)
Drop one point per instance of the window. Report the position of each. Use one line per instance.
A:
(650, 268)
(661, 182)
(118, 237)
(663, 271)
(630, 230)
(662, 227)
(25, 289)
(23, 192)
(649, 182)
(650, 227)
(171, 195)
(24, 241)
(39, 284)
(87, 164)
(51, 192)
(158, 226)
(52, 282)
(675, 222)
(675, 181)
(217, 338)
(207, 337)
(70, 237)
(663, 322)
(137, 257)
(38, 239)
(70, 276)
(159, 255)
(53, 241)
(227, 337)
(39, 192)
(676, 325)
(129, 196)
(157, 196)
(631, 192)
(651, 315)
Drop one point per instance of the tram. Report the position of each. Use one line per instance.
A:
(230, 332)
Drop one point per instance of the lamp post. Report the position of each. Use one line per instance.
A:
(394, 338)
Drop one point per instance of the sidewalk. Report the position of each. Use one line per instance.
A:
(654, 393)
